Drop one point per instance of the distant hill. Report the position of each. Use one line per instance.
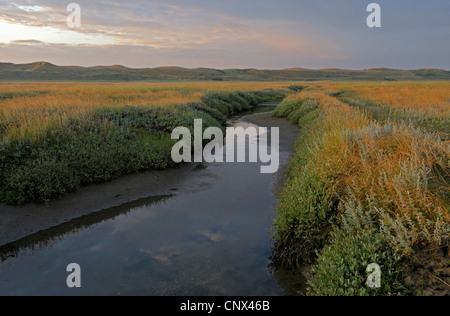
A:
(44, 71)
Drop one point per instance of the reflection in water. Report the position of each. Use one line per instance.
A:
(294, 283)
(214, 242)
(44, 238)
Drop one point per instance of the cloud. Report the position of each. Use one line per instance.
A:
(31, 8)
(28, 42)
(232, 33)
(16, 32)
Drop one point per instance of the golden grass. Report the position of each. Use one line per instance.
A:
(28, 115)
(427, 99)
(36, 106)
(389, 166)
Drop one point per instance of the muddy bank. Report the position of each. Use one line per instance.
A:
(18, 222)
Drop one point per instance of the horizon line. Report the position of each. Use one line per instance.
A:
(294, 68)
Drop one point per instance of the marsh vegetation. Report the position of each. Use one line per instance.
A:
(369, 183)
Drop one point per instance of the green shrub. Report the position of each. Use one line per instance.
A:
(229, 102)
(89, 152)
(270, 95)
(304, 217)
(213, 101)
(285, 108)
(251, 98)
(341, 268)
(210, 111)
(297, 88)
(305, 209)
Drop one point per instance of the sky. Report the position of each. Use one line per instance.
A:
(263, 34)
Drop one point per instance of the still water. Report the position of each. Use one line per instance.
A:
(213, 242)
